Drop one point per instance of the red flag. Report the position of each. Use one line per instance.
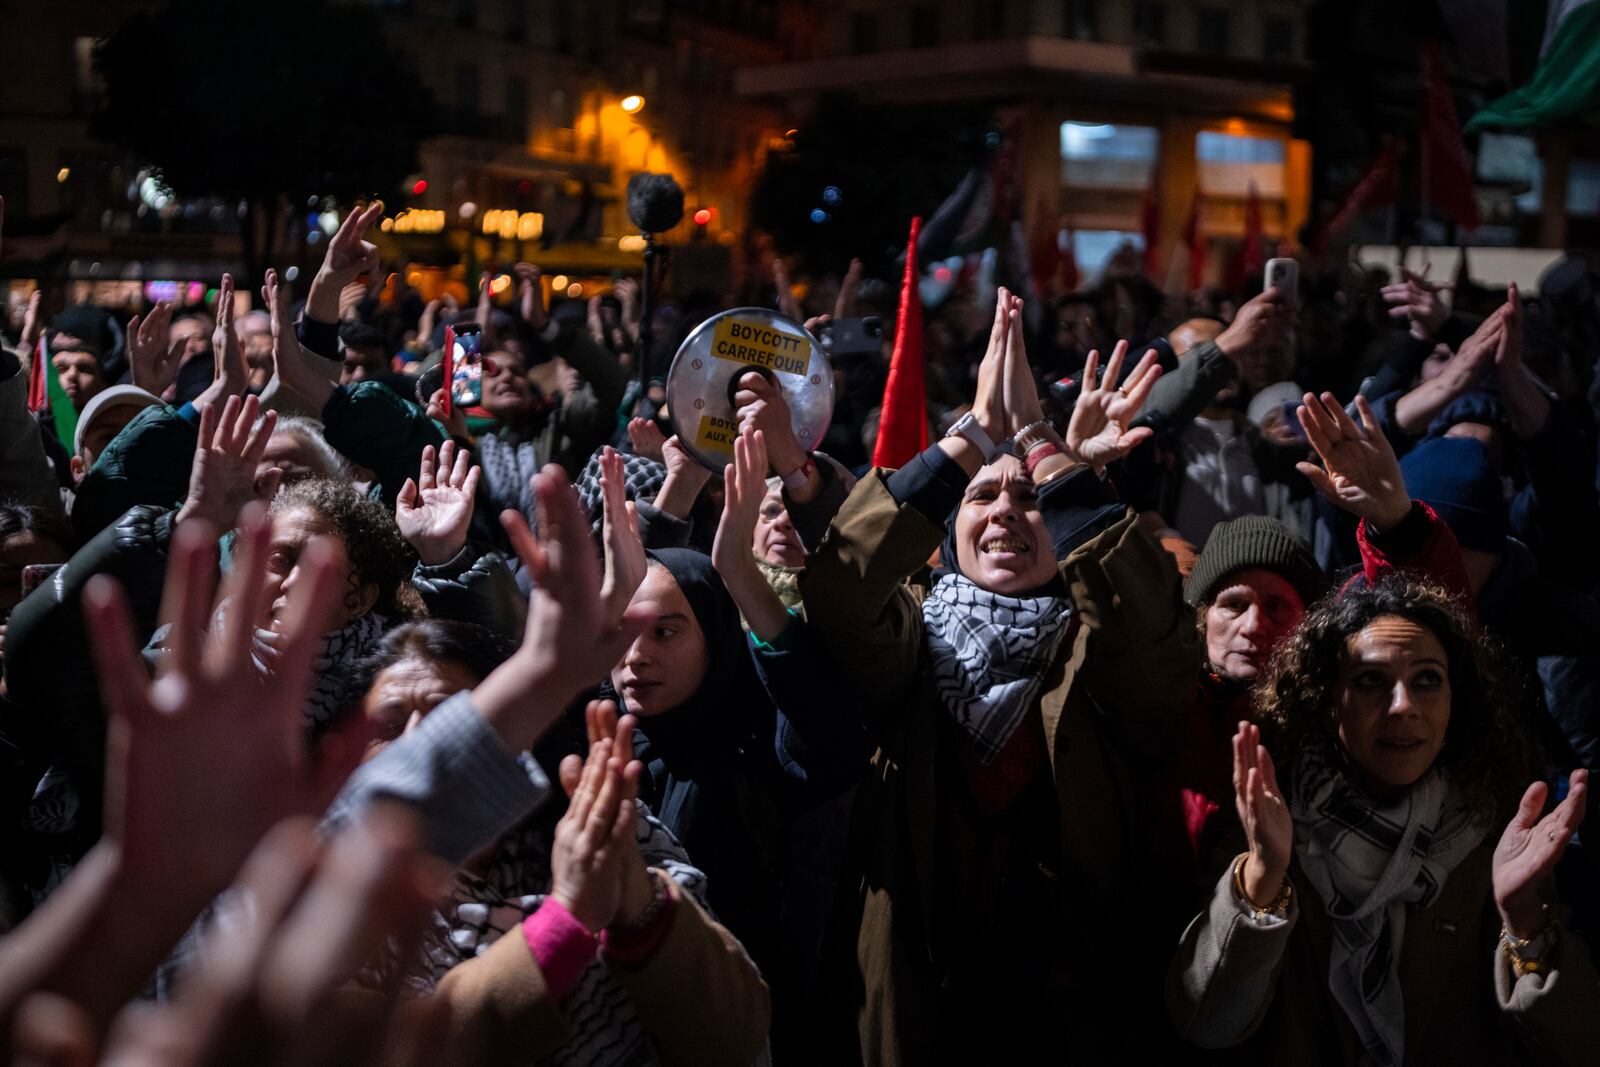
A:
(1197, 244)
(1251, 261)
(1445, 163)
(1379, 185)
(903, 418)
(36, 370)
(1149, 225)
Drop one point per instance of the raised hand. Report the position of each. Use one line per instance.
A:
(153, 360)
(484, 315)
(296, 369)
(1263, 320)
(1021, 391)
(647, 439)
(1359, 471)
(28, 340)
(759, 404)
(1098, 432)
(530, 296)
(845, 305)
(989, 406)
(596, 322)
(223, 478)
(744, 485)
(787, 304)
(204, 759)
(600, 718)
(1268, 827)
(434, 510)
(348, 257)
(619, 531)
(1418, 300)
(595, 838)
(231, 374)
(686, 477)
(1478, 351)
(570, 641)
(1525, 859)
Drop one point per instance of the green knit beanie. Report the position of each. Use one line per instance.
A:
(1254, 541)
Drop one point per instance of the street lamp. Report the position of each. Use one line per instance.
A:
(633, 104)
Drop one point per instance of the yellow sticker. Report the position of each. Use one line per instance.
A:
(756, 343)
(716, 434)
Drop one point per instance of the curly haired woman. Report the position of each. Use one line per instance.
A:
(1376, 917)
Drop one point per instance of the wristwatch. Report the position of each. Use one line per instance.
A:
(967, 426)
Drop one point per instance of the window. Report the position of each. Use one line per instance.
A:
(1080, 19)
(467, 86)
(1149, 24)
(517, 19)
(1231, 163)
(863, 33)
(1100, 155)
(517, 108)
(924, 26)
(1277, 38)
(1215, 30)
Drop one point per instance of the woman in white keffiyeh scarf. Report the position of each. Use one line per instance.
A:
(1405, 758)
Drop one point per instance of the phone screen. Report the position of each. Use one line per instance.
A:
(464, 365)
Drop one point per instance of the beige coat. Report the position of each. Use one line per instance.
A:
(1263, 991)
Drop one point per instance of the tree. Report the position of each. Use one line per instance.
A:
(265, 104)
(886, 162)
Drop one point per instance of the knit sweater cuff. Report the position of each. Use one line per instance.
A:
(561, 945)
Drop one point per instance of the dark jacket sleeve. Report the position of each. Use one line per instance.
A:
(146, 464)
(1556, 514)
(319, 338)
(1422, 543)
(811, 519)
(475, 586)
(1400, 369)
(380, 430)
(821, 740)
(657, 529)
(1178, 397)
(54, 694)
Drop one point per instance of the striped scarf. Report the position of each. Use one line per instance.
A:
(1369, 864)
(990, 652)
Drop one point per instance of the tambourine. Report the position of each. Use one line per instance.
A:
(706, 371)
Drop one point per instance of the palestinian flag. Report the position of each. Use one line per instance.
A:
(1566, 83)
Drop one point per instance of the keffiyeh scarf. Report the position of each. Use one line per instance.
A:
(643, 478)
(330, 665)
(989, 653)
(1368, 863)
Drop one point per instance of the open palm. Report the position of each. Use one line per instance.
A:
(1525, 859)
(434, 511)
(1098, 433)
(1359, 471)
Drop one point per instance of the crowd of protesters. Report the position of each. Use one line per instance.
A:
(1223, 682)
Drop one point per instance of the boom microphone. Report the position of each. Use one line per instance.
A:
(655, 202)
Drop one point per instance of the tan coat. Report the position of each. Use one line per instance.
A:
(699, 997)
(1263, 993)
(1113, 692)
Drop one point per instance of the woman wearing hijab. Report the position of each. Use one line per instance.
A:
(1018, 696)
(1380, 915)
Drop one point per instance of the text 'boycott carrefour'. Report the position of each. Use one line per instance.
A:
(757, 344)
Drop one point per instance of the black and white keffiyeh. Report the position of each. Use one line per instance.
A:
(1369, 864)
(643, 478)
(330, 666)
(989, 654)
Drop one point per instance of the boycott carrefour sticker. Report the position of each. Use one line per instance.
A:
(758, 344)
(716, 434)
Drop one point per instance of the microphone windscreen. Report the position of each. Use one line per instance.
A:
(655, 202)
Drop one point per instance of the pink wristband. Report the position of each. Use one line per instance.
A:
(561, 945)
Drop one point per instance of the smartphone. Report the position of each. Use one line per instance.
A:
(463, 367)
(852, 338)
(1284, 275)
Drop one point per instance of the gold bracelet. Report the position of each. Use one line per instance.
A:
(1516, 946)
(1279, 905)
